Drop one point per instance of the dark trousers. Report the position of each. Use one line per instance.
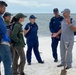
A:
(33, 45)
(54, 47)
(19, 52)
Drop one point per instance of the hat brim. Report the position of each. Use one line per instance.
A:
(65, 12)
(24, 16)
(34, 18)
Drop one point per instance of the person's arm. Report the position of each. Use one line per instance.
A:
(51, 26)
(26, 29)
(71, 25)
(57, 34)
(3, 28)
(15, 33)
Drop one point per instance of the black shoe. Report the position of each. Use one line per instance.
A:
(41, 62)
(22, 73)
(29, 63)
(60, 65)
(56, 60)
(68, 67)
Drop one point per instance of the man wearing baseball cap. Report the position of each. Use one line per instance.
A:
(68, 27)
(7, 18)
(55, 26)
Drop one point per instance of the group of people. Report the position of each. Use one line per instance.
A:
(62, 29)
(12, 42)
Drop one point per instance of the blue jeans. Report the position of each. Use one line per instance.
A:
(6, 58)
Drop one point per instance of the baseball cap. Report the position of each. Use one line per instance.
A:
(66, 10)
(20, 15)
(7, 14)
(32, 17)
(55, 10)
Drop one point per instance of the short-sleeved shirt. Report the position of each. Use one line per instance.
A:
(67, 32)
(32, 34)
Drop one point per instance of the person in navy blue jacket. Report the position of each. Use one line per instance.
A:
(31, 30)
(55, 26)
(5, 53)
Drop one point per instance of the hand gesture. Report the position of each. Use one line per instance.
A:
(68, 21)
(29, 28)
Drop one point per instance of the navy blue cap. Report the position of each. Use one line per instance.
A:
(32, 17)
(55, 10)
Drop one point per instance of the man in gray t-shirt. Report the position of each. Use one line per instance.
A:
(68, 27)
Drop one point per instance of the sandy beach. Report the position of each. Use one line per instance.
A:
(49, 68)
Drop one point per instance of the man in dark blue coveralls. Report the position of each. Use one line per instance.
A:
(30, 31)
(55, 26)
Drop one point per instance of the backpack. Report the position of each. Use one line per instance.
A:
(71, 22)
(10, 29)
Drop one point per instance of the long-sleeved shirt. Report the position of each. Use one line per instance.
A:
(3, 31)
(55, 24)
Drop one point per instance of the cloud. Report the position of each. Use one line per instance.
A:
(40, 5)
(33, 3)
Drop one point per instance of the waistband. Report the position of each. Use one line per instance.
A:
(5, 43)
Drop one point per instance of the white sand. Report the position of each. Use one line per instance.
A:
(49, 68)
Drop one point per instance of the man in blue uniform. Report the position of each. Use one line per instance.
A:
(55, 26)
(31, 30)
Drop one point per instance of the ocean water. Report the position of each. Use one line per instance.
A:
(43, 23)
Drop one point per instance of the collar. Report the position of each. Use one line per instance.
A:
(19, 23)
(57, 17)
(32, 24)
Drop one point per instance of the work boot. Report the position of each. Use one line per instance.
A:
(41, 62)
(68, 67)
(60, 65)
(29, 63)
(56, 60)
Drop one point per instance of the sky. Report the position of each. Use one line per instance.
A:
(39, 6)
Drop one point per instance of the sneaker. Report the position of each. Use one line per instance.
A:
(56, 60)
(41, 62)
(68, 67)
(60, 65)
